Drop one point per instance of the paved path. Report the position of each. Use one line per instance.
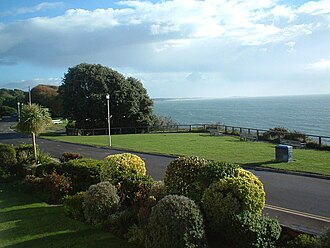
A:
(298, 201)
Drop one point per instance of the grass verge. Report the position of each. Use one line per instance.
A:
(27, 222)
(220, 148)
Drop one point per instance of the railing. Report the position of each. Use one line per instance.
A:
(234, 130)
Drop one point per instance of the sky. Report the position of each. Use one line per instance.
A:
(178, 48)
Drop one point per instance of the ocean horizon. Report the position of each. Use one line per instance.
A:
(304, 113)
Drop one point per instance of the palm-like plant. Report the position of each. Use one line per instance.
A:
(33, 121)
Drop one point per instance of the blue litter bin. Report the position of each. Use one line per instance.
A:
(284, 153)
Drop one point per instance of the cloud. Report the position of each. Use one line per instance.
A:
(235, 40)
(33, 9)
(321, 65)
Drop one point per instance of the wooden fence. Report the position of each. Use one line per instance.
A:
(234, 130)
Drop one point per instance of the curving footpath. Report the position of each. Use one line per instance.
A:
(299, 201)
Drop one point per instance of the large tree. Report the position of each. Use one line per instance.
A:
(84, 91)
(33, 121)
(47, 96)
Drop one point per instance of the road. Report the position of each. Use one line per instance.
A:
(299, 202)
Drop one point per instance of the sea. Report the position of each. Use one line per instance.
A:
(308, 114)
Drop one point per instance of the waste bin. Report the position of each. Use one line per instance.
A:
(284, 153)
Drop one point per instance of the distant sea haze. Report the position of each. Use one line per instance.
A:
(308, 114)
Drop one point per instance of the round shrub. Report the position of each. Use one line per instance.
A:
(215, 171)
(177, 222)
(73, 205)
(253, 231)
(231, 196)
(304, 241)
(181, 177)
(119, 166)
(157, 190)
(83, 172)
(7, 158)
(101, 200)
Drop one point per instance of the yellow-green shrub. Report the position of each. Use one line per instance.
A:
(231, 196)
(119, 166)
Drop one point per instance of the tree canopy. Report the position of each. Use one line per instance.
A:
(48, 97)
(33, 121)
(84, 91)
(9, 99)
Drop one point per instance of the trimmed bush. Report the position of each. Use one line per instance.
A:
(133, 188)
(248, 230)
(304, 241)
(24, 154)
(157, 190)
(181, 177)
(55, 187)
(66, 156)
(177, 222)
(47, 168)
(7, 159)
(325, 239)
(215, 171)
(119, 166)
(101, 201)
(231, 196)
(73, 206)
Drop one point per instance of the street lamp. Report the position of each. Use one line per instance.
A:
(109, 127)
(19, 111)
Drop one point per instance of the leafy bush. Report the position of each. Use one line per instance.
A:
(120, 223)
(253, 231)
(133, 188)
(83, 172)
(32, 184)
(304, 241)
(24, 153)
(55, 187)
(325, 239)
(181, 177)
(119, 166)
(215, 171)
(7, 159)
(47, 168)
(231, 196)
(101, 200)
(73, 206)
(66, 156)
(177, 222)
(157, 190)
(44, 157)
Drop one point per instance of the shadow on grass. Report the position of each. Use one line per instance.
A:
(36, 224)
(260, 164)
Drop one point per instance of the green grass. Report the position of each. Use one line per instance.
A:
(220, 148)
(27, 222)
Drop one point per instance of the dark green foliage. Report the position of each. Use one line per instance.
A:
(83, 172)
(10, 98)
(120, 222)
(73, 206)
(66, 156)
(181, 177)
(100, 202)
(247, 230)
(83, 92)
(133, 188)
(7, 159)
(32, 184)
(7, 111)
(24, 153)
(304, 241)
(176, 222)
(325, 239)
(231, 196)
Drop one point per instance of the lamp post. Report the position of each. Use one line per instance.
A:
(109, 127)
(19, 111)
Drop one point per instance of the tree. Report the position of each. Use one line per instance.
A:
(33, 121)
(48, 97)
(83, 93)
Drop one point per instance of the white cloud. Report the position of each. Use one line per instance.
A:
(316, 8)
(34, 9)
(321, 65)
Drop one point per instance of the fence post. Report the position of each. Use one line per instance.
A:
(320, 141)
(232, 130)
(258, 133)
(190, 128)
(225, 129)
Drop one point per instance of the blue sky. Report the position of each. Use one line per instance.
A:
(178, 48)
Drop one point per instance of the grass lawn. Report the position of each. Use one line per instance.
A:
(27, 222)
(220, 148)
